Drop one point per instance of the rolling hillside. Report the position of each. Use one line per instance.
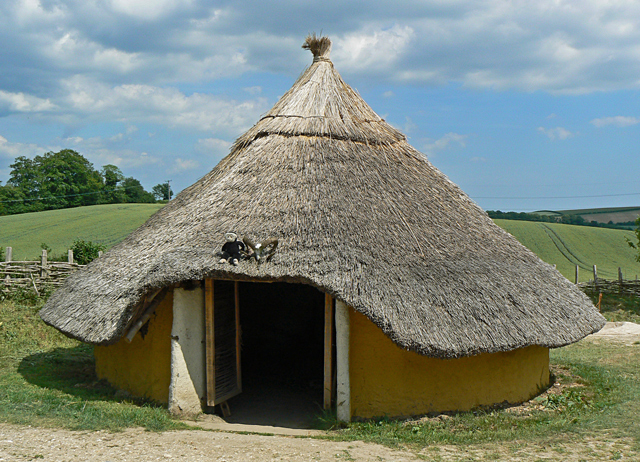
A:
(567, 246)
(562, 245)
(104, 224)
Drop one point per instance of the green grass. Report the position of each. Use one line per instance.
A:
(618, 308)
(604, 401)
(103, 224)
(47, 379)
(567, 246)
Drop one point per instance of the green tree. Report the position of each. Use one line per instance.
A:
(112, 177)
(134, 192)
(68, 179)
(162, 191)
(12, 200)
(634, 244)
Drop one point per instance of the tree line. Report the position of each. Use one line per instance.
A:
(57, 180)
(564, 219)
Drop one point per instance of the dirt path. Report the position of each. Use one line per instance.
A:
(27, 443)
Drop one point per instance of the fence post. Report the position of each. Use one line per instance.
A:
(620, 278)
(577, 273)
(7, 258)
(595, 276)
(70, 256)
(43, 264)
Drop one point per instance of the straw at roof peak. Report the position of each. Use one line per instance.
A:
(319, 46)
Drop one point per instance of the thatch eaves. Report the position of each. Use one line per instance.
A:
(359, 214)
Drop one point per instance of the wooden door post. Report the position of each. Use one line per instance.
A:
(328, 351)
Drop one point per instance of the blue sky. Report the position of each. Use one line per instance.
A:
(525, 105)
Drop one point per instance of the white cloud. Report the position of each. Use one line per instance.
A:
(478, 159)
(112, 150)
(256, 90)
(146, 10)
(618, 121)
(372, 48)
(550, 45)
(388, 94)
(557, 133)
(11, 150)
(20, 102)
(182, 165)
(165, 106)
(446, 142)
(213, 146)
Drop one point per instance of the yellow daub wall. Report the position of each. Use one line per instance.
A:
(142, 367)
(387, 380)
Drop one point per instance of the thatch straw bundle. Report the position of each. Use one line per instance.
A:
(359, 214)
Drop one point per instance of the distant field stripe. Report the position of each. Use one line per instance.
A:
(563, 248)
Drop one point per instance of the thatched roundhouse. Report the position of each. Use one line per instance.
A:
(387, 276)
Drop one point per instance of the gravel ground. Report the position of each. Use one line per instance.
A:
(27, 443)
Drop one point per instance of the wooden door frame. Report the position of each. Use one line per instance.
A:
(210, 350)
(329, 390)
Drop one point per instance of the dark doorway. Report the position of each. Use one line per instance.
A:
(282, 355)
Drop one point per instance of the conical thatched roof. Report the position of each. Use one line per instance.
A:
(359, 214)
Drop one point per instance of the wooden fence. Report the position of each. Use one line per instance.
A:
(607, 286)
(16, 275)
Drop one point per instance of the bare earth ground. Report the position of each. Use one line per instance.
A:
(18, 443)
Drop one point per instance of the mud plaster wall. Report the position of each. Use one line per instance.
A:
(187, 390)
(387, 380)
(142, 367)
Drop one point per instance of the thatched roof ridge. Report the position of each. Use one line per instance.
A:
(359, 214)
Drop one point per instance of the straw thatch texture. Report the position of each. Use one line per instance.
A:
(359, 214)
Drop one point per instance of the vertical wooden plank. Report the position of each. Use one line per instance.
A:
(7, 255)
(328, 350)
(236, 290)
(210, 353)
(595, 276)
(70, 256)
(577, 273)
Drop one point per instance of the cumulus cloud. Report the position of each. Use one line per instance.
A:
(618, 121)
(548, 45)
(182, 165)
(112, 150)
(165, 106)
(19, 102)
(448, 141)
(10, 150)
(372, 49)
(213, 146)
(559, 133)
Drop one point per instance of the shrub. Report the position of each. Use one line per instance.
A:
(86, 251)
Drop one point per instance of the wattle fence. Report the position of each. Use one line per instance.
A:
(20, 275)
(36, 275)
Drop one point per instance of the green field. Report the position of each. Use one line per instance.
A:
(562, 245)
(567, 246)
(103, 224)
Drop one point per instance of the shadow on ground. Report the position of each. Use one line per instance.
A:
(70, 370)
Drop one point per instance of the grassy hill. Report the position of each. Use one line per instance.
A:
(104, 224)
(567, 246)
(562, 245)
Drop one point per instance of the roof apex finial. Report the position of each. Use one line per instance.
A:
(319, 46)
